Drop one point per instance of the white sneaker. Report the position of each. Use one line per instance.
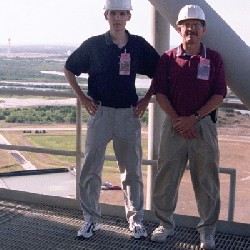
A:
(138, 230)
(160, 234)
(207, 241)
(87, 229)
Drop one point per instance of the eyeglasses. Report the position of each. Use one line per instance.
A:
(195, 26)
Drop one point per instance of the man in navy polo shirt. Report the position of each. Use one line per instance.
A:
(112, 61)
(189, 85)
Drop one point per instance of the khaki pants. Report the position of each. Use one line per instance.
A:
(203, 155)
(124, 129)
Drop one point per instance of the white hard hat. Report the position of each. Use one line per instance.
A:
(118, 5)
(191, 12)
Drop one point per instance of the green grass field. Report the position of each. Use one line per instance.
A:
(52, 139)
(66, 140)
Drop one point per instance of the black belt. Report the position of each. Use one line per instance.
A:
(212, 115)
(108, 105)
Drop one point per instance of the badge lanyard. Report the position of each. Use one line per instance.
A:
(125, 63)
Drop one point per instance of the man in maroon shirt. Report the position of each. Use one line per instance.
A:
(189, 86)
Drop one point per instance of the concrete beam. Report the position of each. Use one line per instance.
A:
(220, 37)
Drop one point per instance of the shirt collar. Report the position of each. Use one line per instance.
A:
(109, 40)
(182, 52)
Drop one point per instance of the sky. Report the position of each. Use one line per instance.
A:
(71, 22)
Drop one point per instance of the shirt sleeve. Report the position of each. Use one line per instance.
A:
(149, 59)
(220, 85)
(79, 61)
(161, 77)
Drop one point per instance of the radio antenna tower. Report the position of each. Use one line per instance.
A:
(9, 47)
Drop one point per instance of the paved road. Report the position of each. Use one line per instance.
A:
(27, 165)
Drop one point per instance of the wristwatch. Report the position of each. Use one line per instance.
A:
(197, 116)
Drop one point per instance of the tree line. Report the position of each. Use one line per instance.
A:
(46, 115)
(40, 115)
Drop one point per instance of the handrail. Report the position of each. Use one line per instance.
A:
(63, 152)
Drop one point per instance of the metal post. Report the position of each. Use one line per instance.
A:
(151, 169)
(232, 196)
(232, 188)
(78, 145)
(161, 37)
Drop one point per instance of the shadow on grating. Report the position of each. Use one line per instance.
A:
(25, 226)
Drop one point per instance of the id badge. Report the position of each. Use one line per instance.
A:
(203, 69)
(125, 64)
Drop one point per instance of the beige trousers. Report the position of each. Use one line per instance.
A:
(203, 155)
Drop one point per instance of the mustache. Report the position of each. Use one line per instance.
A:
(191, 33)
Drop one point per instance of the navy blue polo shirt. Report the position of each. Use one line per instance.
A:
(100, 57)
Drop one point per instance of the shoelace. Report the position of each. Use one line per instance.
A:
(86, 227)
(160, 229)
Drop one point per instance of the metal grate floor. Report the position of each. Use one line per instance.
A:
(27, 226)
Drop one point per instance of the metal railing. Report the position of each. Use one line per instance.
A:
(79, 154)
